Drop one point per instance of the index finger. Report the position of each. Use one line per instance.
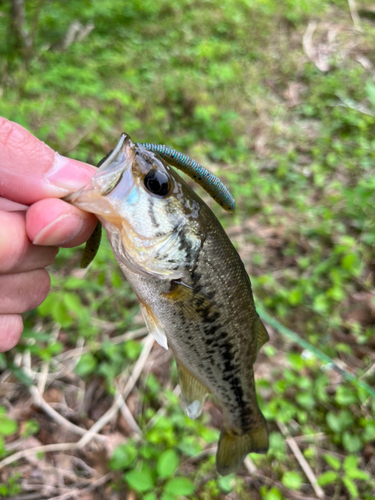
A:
(31, 171)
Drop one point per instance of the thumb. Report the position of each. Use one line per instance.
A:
(31, 171)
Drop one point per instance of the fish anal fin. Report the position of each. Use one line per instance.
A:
(153, 326)
(262, 335)
(193, 392)
(232, 448)
(193, 305)
(92, 246)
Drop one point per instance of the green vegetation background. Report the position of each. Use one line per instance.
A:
(278, 98)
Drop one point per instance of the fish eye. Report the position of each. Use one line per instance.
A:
(157, 182)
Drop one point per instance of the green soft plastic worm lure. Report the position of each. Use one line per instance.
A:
(206, 179)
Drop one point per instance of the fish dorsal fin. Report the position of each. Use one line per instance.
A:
(193, 392)
(206, 179)
(153, 326)
(262, 335)
(193, 305)
(92, 246)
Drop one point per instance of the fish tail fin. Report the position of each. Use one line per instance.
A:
(233, 449)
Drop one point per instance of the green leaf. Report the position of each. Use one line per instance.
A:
(73, 303)
(350, 462)
(132, 349)
(358, 474)
(31, 427)
(345, 396)
(351, 442)
(3, 361)
(8, 426)
(332, 461)
(139, 480)
(150, 496)
(167, 463)
(327, 478)
(2, 445)
(226, 483)
(272, 494)
(350, 486)
(21, 375)
(369, 432)
(123, 456)
(340, 422)
(86, 365)
(210, 435)
(292, 480)
(306, 399)
(168, 496)
(179, 486)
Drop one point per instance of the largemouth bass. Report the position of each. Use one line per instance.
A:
(193, 290)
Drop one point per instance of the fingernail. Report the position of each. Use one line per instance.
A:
(69, 174)
(59, 232)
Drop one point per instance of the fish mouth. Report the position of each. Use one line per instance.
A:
(113, 177)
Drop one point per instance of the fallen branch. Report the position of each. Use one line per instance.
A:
(43, 405)
(79, 492)
(354, 15)
(126, 413)
(37, 449)
(301, 460)
(114, 340)
(107, 417)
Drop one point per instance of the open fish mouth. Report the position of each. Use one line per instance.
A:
(113, 177)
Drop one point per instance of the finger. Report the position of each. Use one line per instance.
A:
(31, 170)
(11, 206)
(56, 223)
(22, 292)
(17, 253)
(11, 329)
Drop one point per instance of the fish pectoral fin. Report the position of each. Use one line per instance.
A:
(153, 326)
(263, 336)
(193, 392)
(193, 305)
(232, 449)
(92, 246)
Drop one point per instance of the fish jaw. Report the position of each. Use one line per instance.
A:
(148, 233)
(113, 176)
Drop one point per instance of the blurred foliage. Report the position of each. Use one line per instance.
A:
(228, 83)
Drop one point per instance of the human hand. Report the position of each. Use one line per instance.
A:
(33, 221)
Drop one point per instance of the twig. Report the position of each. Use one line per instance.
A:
(80, 492)
(354, 15)
(250, 466)
(107, 417)
(307, 40)
(126, 413)
(115, 340)
(31, 496)
(41, 403)
(42, 380)
(162, 410)
(37, 449)
(301, 460)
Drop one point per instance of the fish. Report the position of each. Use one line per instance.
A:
(192, 287)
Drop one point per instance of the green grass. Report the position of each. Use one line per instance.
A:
(230, 84)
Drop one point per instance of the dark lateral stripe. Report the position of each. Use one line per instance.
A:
(152, 213)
